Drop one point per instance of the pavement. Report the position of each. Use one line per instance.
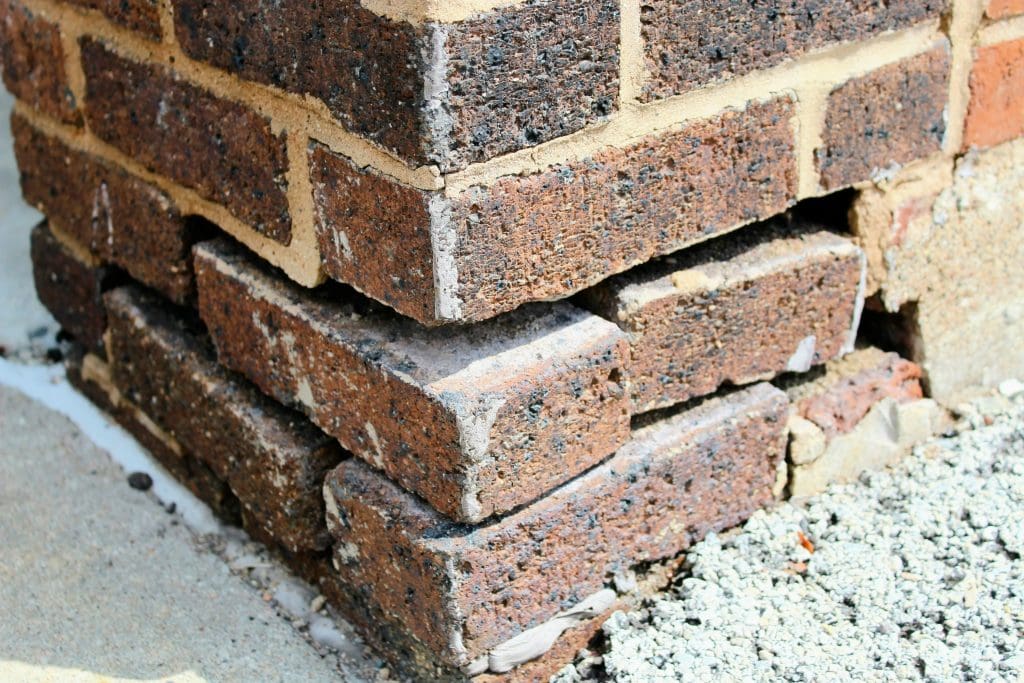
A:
(102, 582)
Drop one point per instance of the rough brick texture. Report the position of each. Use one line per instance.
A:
(119, 218)
(271, 457)
(999, 9)
(463, 591)
(885, 119)
(550, 234)
(32, 57)
(476, 421)
(743, 308)
(70, 288)
(142, 16)
(996, 110)
(690, 43)
(224, 151)
(449, 94)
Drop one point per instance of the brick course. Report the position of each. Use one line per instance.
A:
(996, 110)
(142, 16)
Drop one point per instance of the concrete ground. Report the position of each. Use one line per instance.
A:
(98, 581)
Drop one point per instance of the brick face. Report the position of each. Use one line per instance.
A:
(142, 16)
(32, 58)
(744, 308)
(996, 110)
(476, 421)
(224, 151)
(512, 78)
(887, 118)
(690, 43)
(119, 218)
(702, 470)
(999, 9)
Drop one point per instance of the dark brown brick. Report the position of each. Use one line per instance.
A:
(476, 420)
(70, 288)
(273, 459)
(771, 299)
(463, 591)
(887, 118)
(690, 43)
(142, 16)
(119, 218)
(32, 58)
(511, 78)
(550, 234)
(221, 149)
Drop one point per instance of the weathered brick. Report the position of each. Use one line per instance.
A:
(273, 459)
(462, 591)
(449, 94)
(890, 117)
(1000, 9)
(70, 288)
(142, 16)
(996, 110)
(776, 298)
(476, 421)
(547, 235)
(690, 43)
(221, 149)
(119, 218)
(32, 58)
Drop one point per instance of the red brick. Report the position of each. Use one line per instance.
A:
(509, 78)
(547, 235)
(70, 288)
(117, 217)
(273, 459)
(476, 421)
(781, 297)
(142, 16)
(32, 57)
(460, 592)
(996, 110)
(1000, 9)
(221, 149)
(690, 43)
(887, 118)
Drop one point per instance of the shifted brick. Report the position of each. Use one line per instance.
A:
(70, 287)
(475, 420)
(1000, 9)
(142, 16)
(781, 297)
(33, 59)
(553, 233)
(890, 117)
(223, 150)
(462, 591)
(119, 218)
(996, 110)
(690, 43)
(273, 459)
(449, 94)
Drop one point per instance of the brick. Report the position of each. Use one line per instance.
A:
(553, 233)
(117, 217)
(273, 459)
(474, 420)
(70, 287)
(32, 57)
(996, 110)
(461, 591)
(142, 16)
(221, 149)
(887, 118)
(1000, 9)
(691, 43)
(782, 297)
(449, 94)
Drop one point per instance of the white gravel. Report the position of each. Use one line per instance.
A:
(915, 574)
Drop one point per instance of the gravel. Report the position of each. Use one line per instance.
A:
(910, 574)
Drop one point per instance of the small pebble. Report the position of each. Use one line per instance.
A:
(140, 481)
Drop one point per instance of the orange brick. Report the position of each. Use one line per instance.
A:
(996, 111)
(999, 9)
